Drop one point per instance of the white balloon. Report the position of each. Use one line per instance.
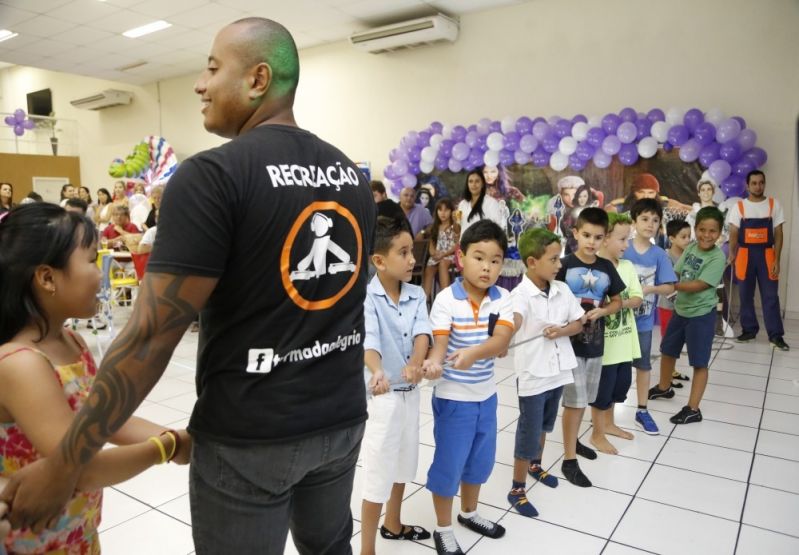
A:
(558, 161)
(715, 116)
(495, 141)
(660, 131)
(491, 158)
(436, 139)
(674, 116)
(508, 124)
(594, 121)
(429, 154)
(580, 130)
(446, 131)
(647, 147)
(426, 166)
(483, 126)
(567, 145)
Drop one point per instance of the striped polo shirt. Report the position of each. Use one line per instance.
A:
(455, 315)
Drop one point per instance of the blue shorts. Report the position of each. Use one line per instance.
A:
(613, 385)
(466, 444)
(645, 342)
(696, 332)
(537, 414)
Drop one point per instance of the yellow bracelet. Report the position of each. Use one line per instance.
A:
(174, 445)
(161, 449)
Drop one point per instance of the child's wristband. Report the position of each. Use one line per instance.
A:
(176, 437)
(160, 445)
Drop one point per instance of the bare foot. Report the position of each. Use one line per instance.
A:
(618, 432)
(601, 443)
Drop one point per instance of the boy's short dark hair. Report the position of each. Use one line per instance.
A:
(618, 218)
(484, 230)
(387, 229)
(534, 242)
(753, 173)
(710, 213)
(646, 205)
(594, 216)
(377, 187)
(676, 226)
(80, 204)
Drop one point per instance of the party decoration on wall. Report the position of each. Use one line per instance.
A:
(20, 122)
(152, 161)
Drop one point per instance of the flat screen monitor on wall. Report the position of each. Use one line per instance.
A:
(40, 103)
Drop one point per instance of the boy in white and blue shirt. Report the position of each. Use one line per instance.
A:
(472, 323)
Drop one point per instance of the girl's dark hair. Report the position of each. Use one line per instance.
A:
(477, 210)
(580, 189)
(64, 189)
(11, 200)
(106, 193)
(88, 193)
(446, 201)
(32, 235)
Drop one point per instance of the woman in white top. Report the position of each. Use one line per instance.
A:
(103, 210)
(477, 205)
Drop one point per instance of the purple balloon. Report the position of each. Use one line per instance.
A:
(741, 121)
(756, 155)
(579, 117)
(692, 118)
(728, 130)
(668, 147)
(10, 121)
(709, 154)
(468, 165)
(602, 160)
(458, 133)
(643, 128)
(689, 151)
(719, 170)
(524, 125)
(413, 168)
(446, 148)
(734, 186)
(475, 157)
(460, 151)
(576, 163)
(472, 127)
(454, 165)
(628, 154)
(563, 128)
(595, 136)
(610, 123)
(585, 151)
(424, 138)
(730, 151)
(678, 135)
(627, 132)
(495, 127)
(396, 187)
(415, 154)
(400, 167)
(705, 133)
(541, 130)
(747, 139)
(19, 115)
(441, 164)
(408, 180)
(611, 145)
(742, 167)
(551, 143)
(656, 114)
(472, 139)
(511, 141)
(436, 127)
(506, 157)
(628, 114)
(540, 157)
(528, 143)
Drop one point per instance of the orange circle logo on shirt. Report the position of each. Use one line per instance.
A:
(325, 257)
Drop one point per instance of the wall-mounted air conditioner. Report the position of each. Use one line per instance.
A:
(407, 34)
(105, 99)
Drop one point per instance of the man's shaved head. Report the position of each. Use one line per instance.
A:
(267, 41)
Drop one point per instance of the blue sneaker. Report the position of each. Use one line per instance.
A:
(645, 421)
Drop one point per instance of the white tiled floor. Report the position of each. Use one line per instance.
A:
(727, 485)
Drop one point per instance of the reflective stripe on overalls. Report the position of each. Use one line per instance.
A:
(755, 235)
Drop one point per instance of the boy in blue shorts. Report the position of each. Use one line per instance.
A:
(694, 320)
(657, 277)
(546, 314)
(472, 323)
(593, 280)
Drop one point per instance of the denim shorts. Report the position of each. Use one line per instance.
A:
(696, 332)
(466, 444)
(537, 414)
(645, 342)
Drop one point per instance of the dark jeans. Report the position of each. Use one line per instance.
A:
(757, 273)
(245, 499)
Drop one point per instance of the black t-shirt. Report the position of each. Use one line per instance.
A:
(591, 284)
(390, 209)
(150, 221)
(285, 221)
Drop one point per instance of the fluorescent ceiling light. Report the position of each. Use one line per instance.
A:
(147, 29)
(5, 34)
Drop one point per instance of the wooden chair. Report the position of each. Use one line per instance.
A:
(421, 250)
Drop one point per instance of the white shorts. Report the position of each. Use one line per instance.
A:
(390, 443)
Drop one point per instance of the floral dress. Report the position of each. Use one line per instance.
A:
(446, 240)
(76, 530)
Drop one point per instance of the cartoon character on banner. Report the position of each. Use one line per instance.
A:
(498, 186)
(560, 205)
(426, 197)
(584, 197)
(498, 183)
(646, 185)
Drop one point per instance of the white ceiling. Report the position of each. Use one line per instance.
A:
(84, 36)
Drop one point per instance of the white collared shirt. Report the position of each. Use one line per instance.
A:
(543, 364)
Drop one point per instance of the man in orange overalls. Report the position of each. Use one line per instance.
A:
(755, 249)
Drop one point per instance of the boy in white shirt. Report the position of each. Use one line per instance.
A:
(546, 313)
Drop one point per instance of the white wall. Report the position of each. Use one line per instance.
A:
(543, 57)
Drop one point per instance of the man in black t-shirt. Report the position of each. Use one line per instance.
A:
(385, 206)
(268, 236)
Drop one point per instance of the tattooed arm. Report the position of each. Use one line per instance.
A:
(165, 307)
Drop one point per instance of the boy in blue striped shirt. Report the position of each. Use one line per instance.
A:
(472, 323)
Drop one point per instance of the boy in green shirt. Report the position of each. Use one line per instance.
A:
(700, 269)
(621, 338)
